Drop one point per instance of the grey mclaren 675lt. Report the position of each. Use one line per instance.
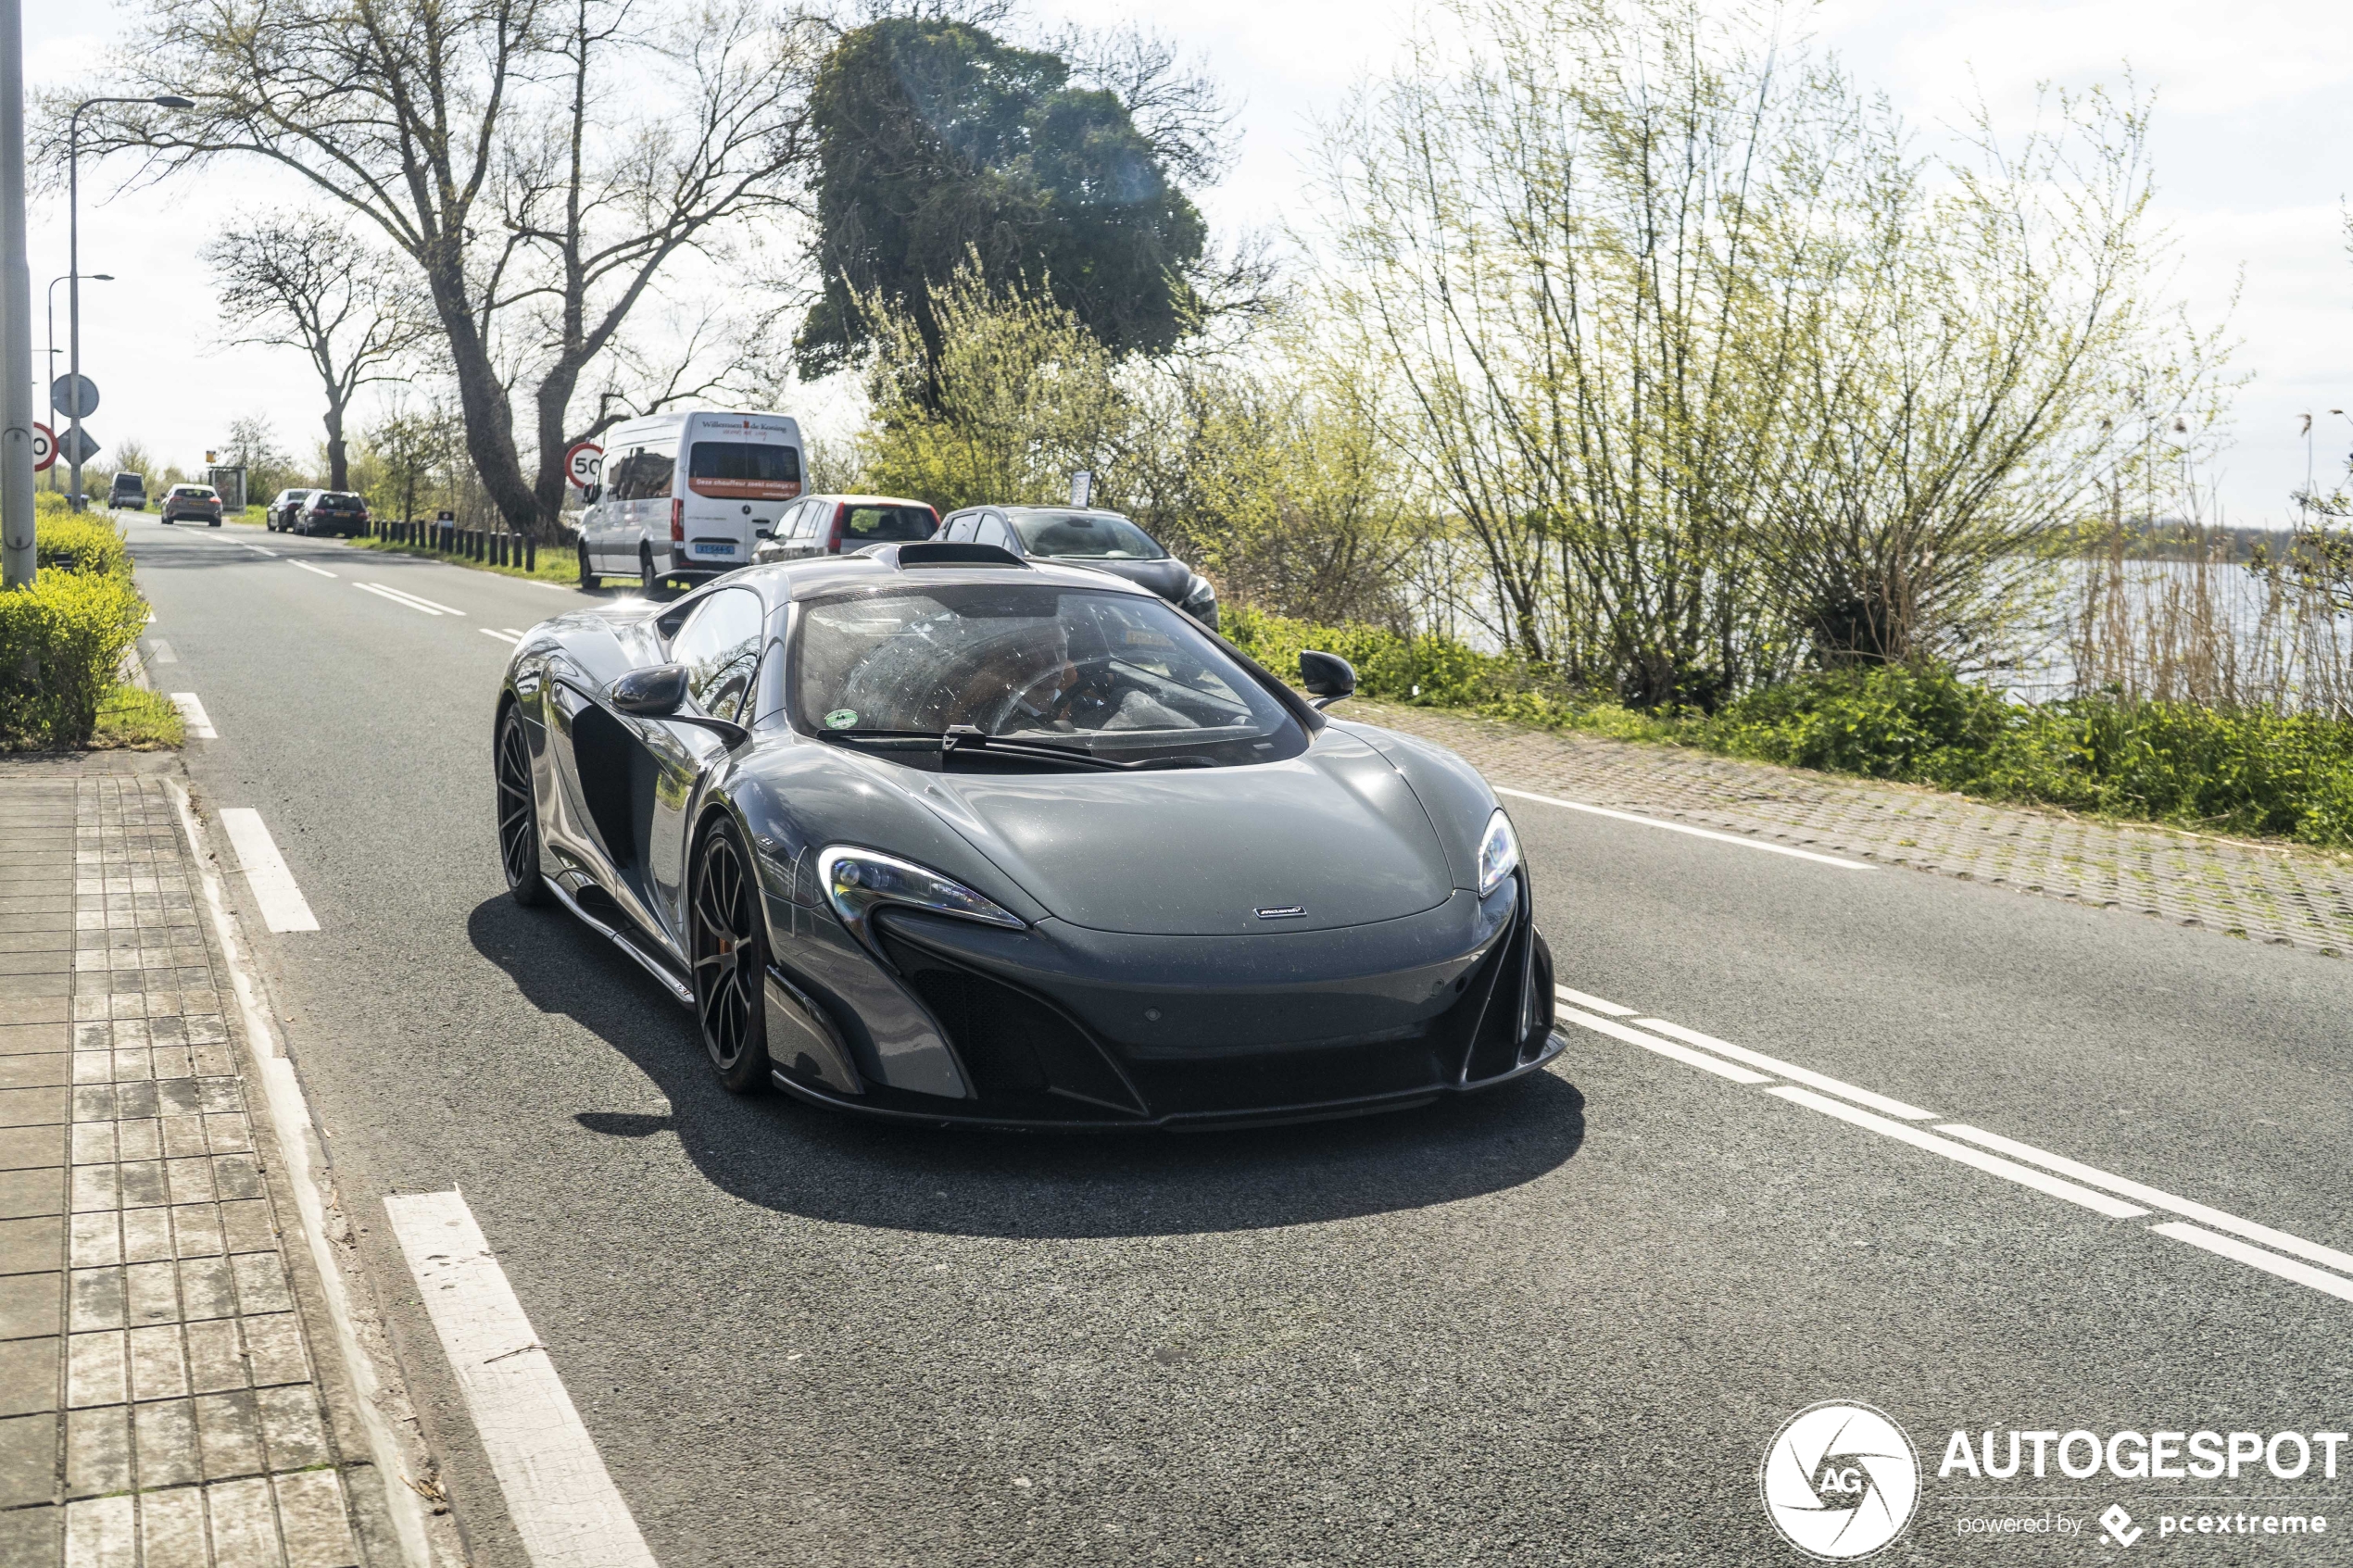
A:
(935, 833)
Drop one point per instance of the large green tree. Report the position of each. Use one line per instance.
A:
(937, 147)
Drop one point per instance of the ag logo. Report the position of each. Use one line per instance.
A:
(1840, 1481)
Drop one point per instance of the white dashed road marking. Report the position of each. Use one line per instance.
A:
(283, 906)
(191, 713)
(558, 1493)
(307, 567)
(161, 651)
(2086, 1186)
(1838, 861)
(509, 637)
(413, 601)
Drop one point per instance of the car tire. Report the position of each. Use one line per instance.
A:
(212, 522)
(648, 583)
(587, 578)
(518, 814)
(726, 945)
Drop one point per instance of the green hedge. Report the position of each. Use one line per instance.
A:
(62, 640)
(2281, 775)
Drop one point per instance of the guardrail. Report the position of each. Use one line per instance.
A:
(492, 547)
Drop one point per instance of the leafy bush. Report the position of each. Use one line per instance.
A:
(2249, 772)
(64, 541)
(61, 642)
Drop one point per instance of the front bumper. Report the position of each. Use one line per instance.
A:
(1059, 1026)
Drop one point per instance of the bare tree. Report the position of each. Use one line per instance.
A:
(541, 162)
(297, 282)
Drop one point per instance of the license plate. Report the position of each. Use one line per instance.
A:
(704, 547)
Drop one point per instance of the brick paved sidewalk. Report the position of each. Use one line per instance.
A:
(2292, 897)
(161, 1402)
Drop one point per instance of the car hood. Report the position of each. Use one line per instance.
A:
(1334, 832)
(1168, 577)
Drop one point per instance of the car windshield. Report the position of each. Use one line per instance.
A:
(1103, 535)
(193, 493)
(1121, 677)
(329, 500)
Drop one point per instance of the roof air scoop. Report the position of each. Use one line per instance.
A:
(925, 554)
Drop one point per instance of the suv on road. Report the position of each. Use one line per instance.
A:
(332, 511)
(828, 525)
(193, 501)
(282, 508)
(129, 491)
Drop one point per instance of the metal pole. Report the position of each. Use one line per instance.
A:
(16, 552)
(73, 294)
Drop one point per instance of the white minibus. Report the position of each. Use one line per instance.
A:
(687, 495)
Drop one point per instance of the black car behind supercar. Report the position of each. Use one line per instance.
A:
(937, 834)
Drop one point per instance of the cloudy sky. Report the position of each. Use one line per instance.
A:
(2255, 107)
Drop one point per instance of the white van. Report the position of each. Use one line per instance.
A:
(687, 495)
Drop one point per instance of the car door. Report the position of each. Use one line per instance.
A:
(718, 643)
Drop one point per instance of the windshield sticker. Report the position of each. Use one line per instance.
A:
(841, 719)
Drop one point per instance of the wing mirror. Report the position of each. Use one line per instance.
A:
(1327, 675)
(654, 693)
(588, 496)
(659, 692)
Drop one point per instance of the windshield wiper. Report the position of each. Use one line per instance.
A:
(966, 740)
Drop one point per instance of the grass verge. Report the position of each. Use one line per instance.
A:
(133, 718)
(2250, 772)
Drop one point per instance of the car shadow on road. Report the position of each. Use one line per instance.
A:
(775, 1151)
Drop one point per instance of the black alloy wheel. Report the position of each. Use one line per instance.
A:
(729, 957)
(518, 815)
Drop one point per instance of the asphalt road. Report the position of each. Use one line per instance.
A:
(1561, 1323)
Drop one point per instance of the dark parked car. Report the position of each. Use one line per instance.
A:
(332, 511)
(193, 501)
(935, 833)
(1106, 541)
(129, 493)
(282, 508)
(831, 525)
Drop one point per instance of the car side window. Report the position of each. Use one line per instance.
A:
(788, 525)
(992, 531)
(719, 647)
(813, 519)
(958, 530)
(655, 471)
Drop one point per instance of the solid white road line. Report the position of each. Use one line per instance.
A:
(558, 1493)
(1695, 832)
(257, 550)
(191, 713)
(1795, 1075)
(419, 599)
(307, 567)
(2256, 1258)
(283, 906)
(1590, 1004)
(2093, 1176)
(160, 651)
(509, 638)
(1683, 1054)
(2099, 1202)
(551, 587)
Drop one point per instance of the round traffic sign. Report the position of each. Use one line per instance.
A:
(45, 447)
(584, 460)
(63, 395)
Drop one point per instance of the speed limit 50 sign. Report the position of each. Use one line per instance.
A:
(584, 460)
(45, 447)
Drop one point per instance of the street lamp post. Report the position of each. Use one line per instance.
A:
(73, 263)
(95, 278)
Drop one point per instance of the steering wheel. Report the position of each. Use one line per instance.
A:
(1058, 707)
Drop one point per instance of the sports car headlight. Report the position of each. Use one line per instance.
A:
(1498, 854)
(857, 881)
(1200, 594)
